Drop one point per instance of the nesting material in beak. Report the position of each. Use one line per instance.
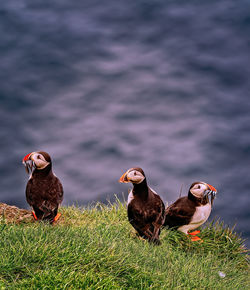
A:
(212, 188)
(29, 166)
(29, 163)
(210, 194)
(123, 178)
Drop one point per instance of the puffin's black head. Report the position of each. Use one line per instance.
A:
(36, 160)
(203, 191)
(134, 175)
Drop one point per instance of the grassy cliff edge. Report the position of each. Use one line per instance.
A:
(96, 248)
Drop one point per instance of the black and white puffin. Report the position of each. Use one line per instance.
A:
(146, 210)
(189, 212)
(44, 191)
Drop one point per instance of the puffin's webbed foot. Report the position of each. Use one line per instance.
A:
(194, 233)
(34, 215)
(195, 239)
(56, 218)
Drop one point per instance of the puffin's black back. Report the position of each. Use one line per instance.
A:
(180, 212)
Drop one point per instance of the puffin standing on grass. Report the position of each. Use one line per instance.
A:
(146, 210)
(44, 191)
(189, 212)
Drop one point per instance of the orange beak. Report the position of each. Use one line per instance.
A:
(123, 178)
(212, 188)
(28, 163)
(26, 158)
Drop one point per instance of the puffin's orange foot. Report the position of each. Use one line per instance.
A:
(194, 233)
(56, 218)
(34, 215)
(195, 238)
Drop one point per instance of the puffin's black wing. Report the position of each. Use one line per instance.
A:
(157, 207)
(147, 216)
(58, 191)
(52, 197)
(179, 213)
(44, 197)
(136, 219)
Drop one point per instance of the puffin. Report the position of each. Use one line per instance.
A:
(189, 212)
(145, 208)
(44, 191)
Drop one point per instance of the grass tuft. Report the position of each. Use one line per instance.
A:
(96, 248)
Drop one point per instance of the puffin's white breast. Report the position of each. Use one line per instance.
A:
(201, 214)
(130, 197)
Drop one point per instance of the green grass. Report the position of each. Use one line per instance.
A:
(96, 248)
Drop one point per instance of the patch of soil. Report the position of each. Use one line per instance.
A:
(13, 214)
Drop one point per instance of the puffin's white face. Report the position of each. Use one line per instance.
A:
(135, 176)
(39, 160)
(198, 189)
(132, 175)
(35, 160)
(203, 190)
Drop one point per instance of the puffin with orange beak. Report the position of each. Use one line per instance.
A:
(44, 191)
(145, 209)
(189, 212)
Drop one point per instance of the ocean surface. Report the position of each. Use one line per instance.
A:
(108, 85)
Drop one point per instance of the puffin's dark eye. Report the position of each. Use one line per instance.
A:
(199, 186)
(134, 173)
(38, 157)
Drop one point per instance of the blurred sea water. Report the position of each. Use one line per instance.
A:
(105, 86)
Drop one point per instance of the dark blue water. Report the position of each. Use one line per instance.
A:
(108, 85)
